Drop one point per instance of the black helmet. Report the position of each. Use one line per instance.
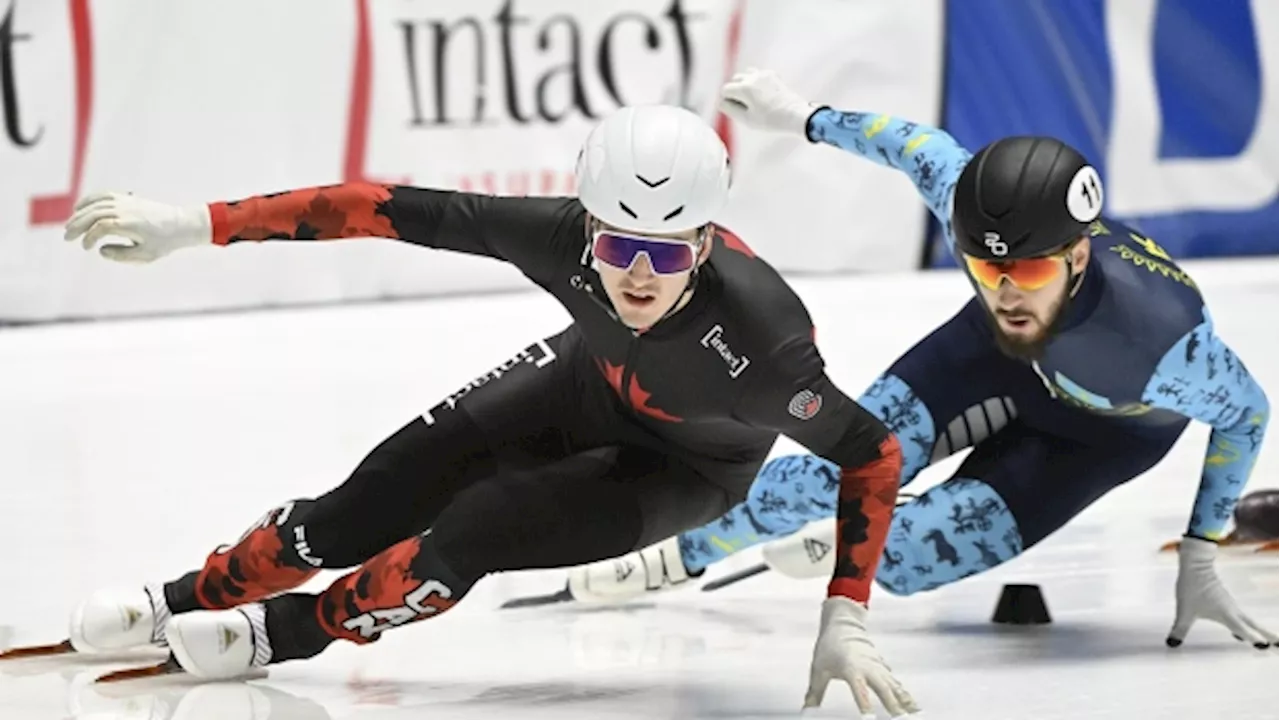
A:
(1022, 197)
(1257, 515)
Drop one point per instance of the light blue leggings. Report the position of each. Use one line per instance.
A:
(954, 530)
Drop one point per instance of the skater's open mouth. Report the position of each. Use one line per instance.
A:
(1018, 321)
(638, 299)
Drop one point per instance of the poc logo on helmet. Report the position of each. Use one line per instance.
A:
(995, 244)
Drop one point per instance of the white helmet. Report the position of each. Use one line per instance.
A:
(654, 168)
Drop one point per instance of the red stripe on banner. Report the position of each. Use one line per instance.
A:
(358, 111)
(724, 128)
(353, 163)
(55, 209)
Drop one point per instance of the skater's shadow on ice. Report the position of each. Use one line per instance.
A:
(631, 697)
(691, 616)
(1071, 641)
(184, 698)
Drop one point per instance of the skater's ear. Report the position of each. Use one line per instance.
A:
(706, 240)
(591, 225)
(1080, 252)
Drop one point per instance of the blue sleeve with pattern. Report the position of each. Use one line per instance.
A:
(1202, 379)
(929, 155)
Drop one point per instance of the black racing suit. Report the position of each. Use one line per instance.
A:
(583, 446)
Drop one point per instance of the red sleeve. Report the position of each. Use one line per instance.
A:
(867, 497)
(794, 396)
(317, 213)
(537, 235)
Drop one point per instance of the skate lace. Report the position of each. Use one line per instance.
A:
(159, 611)
(257, 617)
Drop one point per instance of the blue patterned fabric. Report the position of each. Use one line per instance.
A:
(956, 529)
(788, 493)
(1202, 379)
(931, 157)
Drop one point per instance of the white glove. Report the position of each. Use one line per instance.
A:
(1200, 595)
(759, 99)
(844, 651)
(155, 229)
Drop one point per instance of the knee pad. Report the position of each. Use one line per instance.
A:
(792, 491)
(957, 529)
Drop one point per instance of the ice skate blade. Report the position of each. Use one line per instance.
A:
(31, 651)
(1232, 547)
(168, 667)
(730, 579)
(560, 596)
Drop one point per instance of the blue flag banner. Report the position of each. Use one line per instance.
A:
(1174, 101)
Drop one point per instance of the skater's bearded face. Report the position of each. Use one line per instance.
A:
(1025, 298)
(646, 275)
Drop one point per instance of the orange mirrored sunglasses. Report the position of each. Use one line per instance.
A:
(1025, 273)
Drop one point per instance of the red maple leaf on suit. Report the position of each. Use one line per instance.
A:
(638, 395)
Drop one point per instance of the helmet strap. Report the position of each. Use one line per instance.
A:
(1075, 281)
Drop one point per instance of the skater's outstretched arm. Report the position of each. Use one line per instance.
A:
(928, 155)
(1201, 378)
(931, 157)
(518, 230)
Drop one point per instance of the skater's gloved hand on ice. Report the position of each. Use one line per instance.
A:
(759, 99)
(1201, 596)
(844, 652)
(154, 229)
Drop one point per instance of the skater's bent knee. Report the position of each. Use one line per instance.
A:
(955, 530)
(911, 565)
(904, 570)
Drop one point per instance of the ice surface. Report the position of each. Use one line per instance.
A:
(128, 450)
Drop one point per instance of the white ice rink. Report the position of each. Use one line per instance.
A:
(128, 450)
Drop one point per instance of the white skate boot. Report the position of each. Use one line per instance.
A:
(112, 620)
(221, 644)
(656, 568)
(806, 553)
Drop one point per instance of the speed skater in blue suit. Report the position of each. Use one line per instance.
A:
(1082, 357)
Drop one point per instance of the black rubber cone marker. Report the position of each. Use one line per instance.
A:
(1021, 605)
